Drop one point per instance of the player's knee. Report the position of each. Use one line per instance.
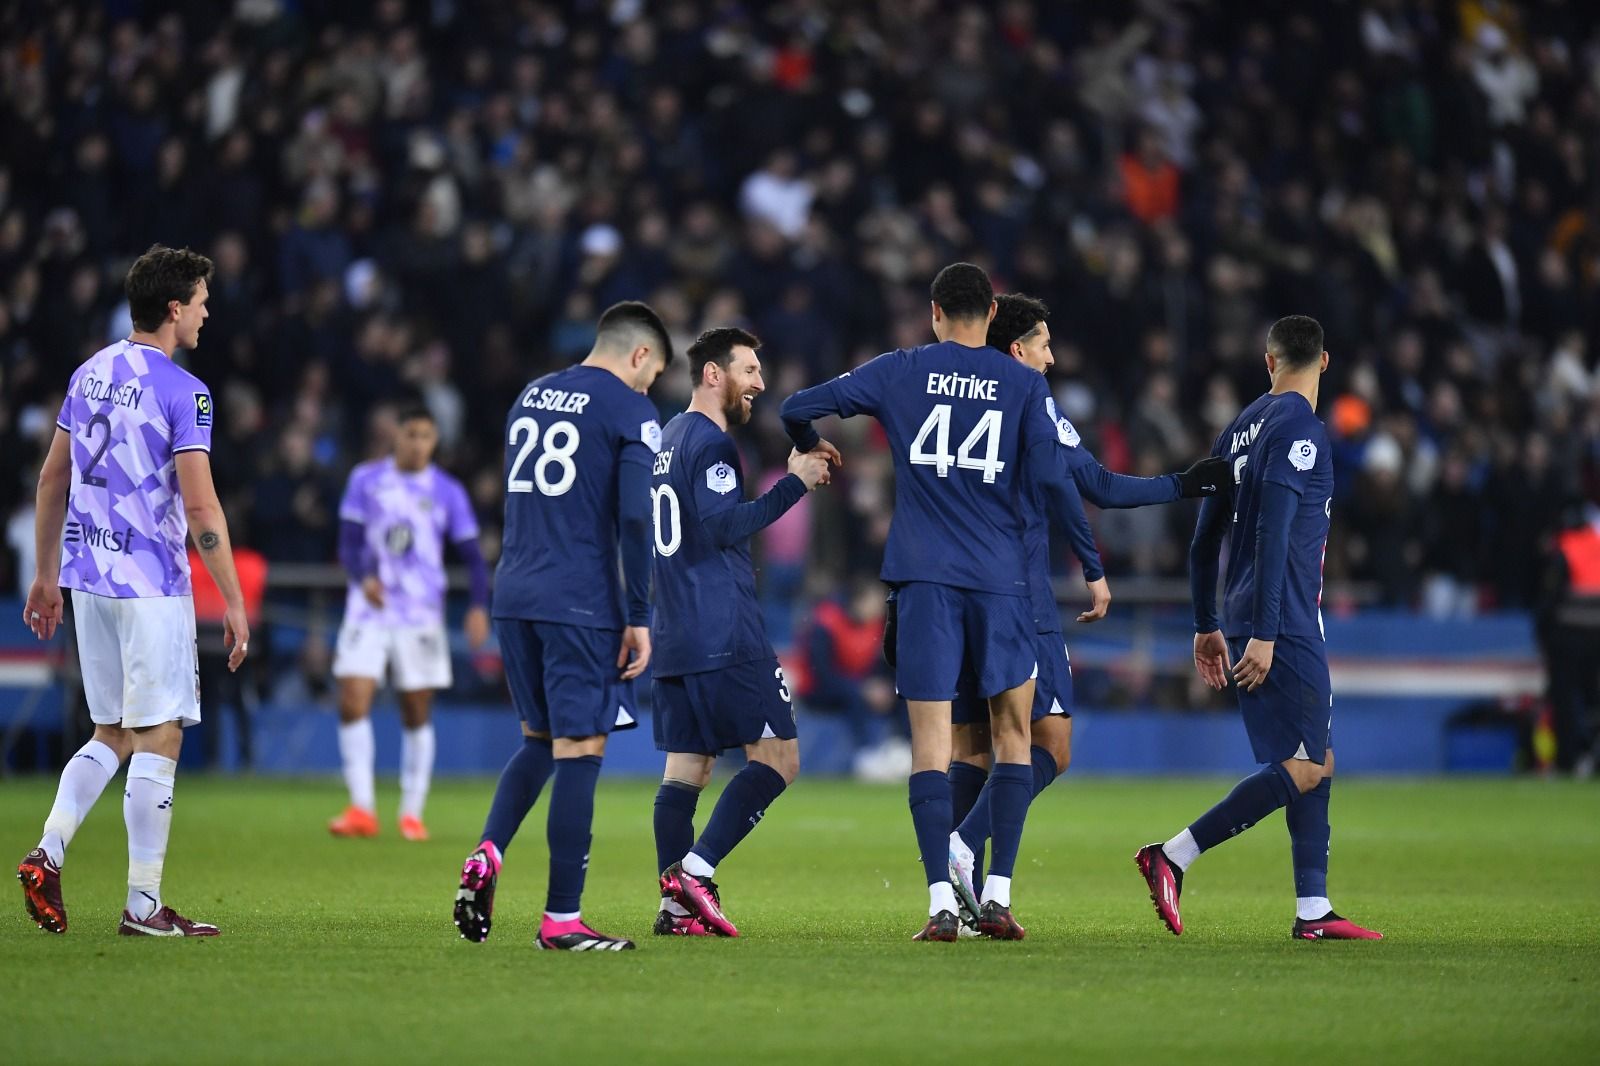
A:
(1062, 754)
(1306, 774)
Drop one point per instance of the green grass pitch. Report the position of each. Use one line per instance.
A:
(343, 951)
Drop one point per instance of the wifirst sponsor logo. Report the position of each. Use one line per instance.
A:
(963, 386)
(102, 537)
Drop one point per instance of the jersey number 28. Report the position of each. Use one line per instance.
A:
(937, 425)
(560, 442)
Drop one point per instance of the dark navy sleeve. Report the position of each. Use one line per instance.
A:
(353, 550)
(477, 571)
(1064, 507)
(856, 392)
(1203, 552)
(1104, 489)
(719, 496)
(1278, 504)
(633, 529)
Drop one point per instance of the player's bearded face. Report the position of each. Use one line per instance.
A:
(734, 404)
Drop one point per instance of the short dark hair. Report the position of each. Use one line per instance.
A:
(627, 322)
(1017, 317)
(158, 277)
(963, 291)
(1297, 340)
(412, 413)
(716, 345)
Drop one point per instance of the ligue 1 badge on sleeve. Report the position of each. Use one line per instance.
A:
(1302, 455)
(202, 410)
(650, 433)
(721, 479)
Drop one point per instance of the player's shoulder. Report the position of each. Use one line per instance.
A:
(447, 484)
(173, 382)
(364, 472)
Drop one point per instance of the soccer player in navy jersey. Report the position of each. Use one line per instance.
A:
(717, 682)
(969, 429)
(1269, 640)
(1021, 331)
(579, 446)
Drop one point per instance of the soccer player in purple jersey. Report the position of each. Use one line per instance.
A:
(396, 515)
(126, 480)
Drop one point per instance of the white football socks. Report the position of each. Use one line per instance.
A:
(997, 889)
(82, 780)
(1310, 908)
(356, 753)
(941, 897)
(416, 768)
(147, 808)
(1182, 850)
(694, 864)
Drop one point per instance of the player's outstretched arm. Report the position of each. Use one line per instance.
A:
(208, 526)
(42, 613)
(736, 524)
(855, 392)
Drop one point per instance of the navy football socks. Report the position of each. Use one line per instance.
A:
(1010, 790)
(738, 809)
(517, 791)
(930, 814)
(568, 831)
(966, 785)
(974, 827)
(675, 805)
(1250, 801)
(1308, 839)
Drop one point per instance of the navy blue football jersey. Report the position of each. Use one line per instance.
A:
(961, 423)
(567, 436)
(1278, 439)
(706, 614)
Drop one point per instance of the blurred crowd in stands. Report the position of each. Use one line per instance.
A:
(436, 199)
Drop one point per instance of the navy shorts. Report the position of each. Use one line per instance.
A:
(563, 679)
(711, 712)
(942, 629)
(1291, 715)
(1052, 689)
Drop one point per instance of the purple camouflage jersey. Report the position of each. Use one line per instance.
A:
(407, 517)
(130, 410)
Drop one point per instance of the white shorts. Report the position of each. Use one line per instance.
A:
(418, 655)
(138, 656)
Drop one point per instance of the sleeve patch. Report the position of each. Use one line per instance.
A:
(721, 479)
(202, 410)
(1302, 455)
(650, 433)
(1066, 432)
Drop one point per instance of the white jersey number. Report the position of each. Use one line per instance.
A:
(560, 443)
(938, 426)
(663, 499)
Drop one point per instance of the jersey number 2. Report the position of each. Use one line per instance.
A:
(937, 425)
(560, 442)
(89, 476)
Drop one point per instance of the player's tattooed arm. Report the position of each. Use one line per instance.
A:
(209, 541)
